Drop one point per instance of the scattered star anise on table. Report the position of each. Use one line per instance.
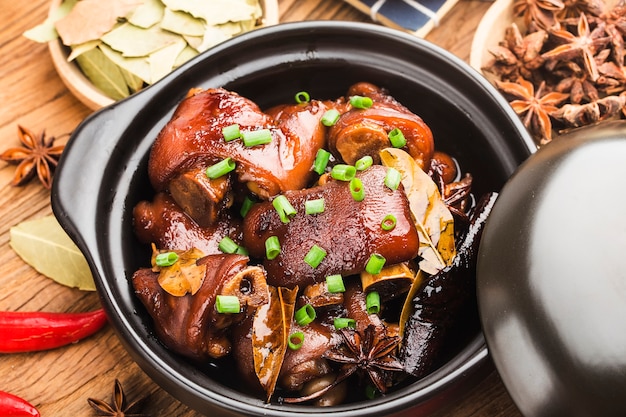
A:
(118, 407)
(37, 156)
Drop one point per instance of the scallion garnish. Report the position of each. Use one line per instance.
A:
(227, 304)
(166, 259)
(227, 245)
(315, 256)
(314, 206)
(302, 97)
(256, 137)
(388, 223)
(372, 302)
(231, 132)
(375, 264)
(361, 102)
(343, 172)
(284, 208)
(363, 163)
(396, 137)
(272, 247)
(335, 284)
(223, 167)
(356, 189)
(393, 178)
(295, 340)
(248, 202)
(341, 322)
(321, 160)
(305, 315)
(330, 117)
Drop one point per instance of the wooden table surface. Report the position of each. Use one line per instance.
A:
(58, 382)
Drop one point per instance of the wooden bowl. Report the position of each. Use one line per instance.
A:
(81, 86)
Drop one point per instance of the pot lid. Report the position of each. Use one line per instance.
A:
(551, 277)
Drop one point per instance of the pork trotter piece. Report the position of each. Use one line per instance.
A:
(349, 231)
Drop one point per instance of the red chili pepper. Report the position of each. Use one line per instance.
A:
(31, 331)
(12, 405)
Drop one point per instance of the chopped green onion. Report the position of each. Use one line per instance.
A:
(375, 264)
(272, 247)
(284, 208)
(343, 172)
(295, 340)
(371, 392)
(242, 251)
(330, 117)
(321, 160)
(335, 284)
(356, 189)
(397, 139)
(305, 315)
(166, 259)
(361, 102)
(363, 163)
(246, 206)
(227, 304)
(302, 97)
(389, 222)
(231, 132)
(372, 302)
(314, 206)
(256, 137)
(341, 322)
(223, 167)
(227, 245)
(393, 178)
(315, 256)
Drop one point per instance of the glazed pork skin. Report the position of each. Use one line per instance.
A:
(190, 325)
(193, 140)
(162, 222)
(349, 231)
(360, 132)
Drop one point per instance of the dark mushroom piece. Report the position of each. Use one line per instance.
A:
(193, 140)
(360, 132)
(190, 324)
(162, 222)
(349, 231)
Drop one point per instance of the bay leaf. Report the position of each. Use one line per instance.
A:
(216, 12)
(133, 41)
(82, 48)
(148, 14)
(182, 23)
(43, 244)
(90, 19)
(139, 66)
(46, 31)
(433, 220)
(162, 61)
(103, 73)
(185, 55)
(212, 36)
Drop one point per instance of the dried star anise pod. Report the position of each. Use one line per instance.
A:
(585, 45)
(540, 12)
(577, 115)
(118, 407)
(574, 8)
(38, 155)
(535, 107)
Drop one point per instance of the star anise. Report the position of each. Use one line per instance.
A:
(585, 45)
(534, 106)
(118, 407)
(574, 8)
(540, 12)
(368, 354)
(38, 155)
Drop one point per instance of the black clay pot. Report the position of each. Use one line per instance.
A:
(103, 174)
(552, 277)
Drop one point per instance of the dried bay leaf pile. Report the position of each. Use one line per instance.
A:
(123, 45)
